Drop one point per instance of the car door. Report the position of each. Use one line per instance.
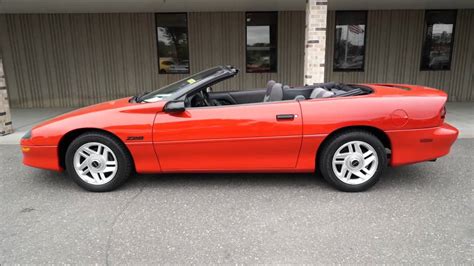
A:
(260, 136)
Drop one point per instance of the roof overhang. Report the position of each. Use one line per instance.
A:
(112, 6)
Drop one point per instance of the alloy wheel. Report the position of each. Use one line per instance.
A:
(95, 163)
(355, 162)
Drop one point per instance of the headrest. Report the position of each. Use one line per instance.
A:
(270, 84)
(300, 98)
(275, 93)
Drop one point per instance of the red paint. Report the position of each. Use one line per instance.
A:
(399, 118)
(410, 147)
(248, 137)
(231, 138)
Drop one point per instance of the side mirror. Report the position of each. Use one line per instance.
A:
(175, 107)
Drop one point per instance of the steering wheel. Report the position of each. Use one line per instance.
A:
(198, 99)
(205, 97)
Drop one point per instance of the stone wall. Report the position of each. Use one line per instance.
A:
(315, 41)
(5, 115)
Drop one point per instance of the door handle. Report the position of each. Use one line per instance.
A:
(286, 117)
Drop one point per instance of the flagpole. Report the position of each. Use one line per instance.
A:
(347, 44)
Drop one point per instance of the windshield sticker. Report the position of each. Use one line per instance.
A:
(191, 81)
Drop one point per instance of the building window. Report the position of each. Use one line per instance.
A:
(349, 45)
(173, 50)
(439, 37)
(262, 40)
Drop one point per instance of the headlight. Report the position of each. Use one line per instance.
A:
(27, 135)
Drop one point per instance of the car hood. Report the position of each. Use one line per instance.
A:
(119, 117)
(100, 107)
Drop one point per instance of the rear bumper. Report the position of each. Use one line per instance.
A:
(419, 145)
(45, 157)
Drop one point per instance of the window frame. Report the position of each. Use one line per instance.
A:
(425, 31)
(362, 69)
(158, 46)
(276, 44)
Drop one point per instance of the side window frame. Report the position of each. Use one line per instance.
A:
(187, 42)
(272, 69)
(348, 13)
(425, 35)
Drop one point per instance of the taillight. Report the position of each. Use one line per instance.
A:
(443, 112)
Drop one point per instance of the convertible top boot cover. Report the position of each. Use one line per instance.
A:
(321, 93)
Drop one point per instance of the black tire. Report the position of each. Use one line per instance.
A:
(329, 149)
(123, 158)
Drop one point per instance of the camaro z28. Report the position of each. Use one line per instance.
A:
(349, 133)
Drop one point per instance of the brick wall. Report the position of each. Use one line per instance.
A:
(315, 41)
(5, 115)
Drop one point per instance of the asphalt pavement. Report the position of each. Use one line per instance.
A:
(419, 214)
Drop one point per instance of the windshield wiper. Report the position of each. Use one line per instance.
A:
(138, 98)
(133, 99)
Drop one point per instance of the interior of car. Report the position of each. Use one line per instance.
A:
(274, 92)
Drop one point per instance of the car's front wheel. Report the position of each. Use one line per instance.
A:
(97, 162)
(353, 161)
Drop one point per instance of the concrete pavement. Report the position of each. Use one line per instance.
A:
(461, 115)
(419, 214)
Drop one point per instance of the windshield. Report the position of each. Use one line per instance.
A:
(165, 92)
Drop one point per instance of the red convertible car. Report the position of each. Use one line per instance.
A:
(348, 132)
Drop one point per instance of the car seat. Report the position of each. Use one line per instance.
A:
(274, 93)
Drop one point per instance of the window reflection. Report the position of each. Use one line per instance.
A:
(437, 48)
(261, 42)
(173, 51)
(349, 47)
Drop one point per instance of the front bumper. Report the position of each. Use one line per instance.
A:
(45, 157)
(419, 145)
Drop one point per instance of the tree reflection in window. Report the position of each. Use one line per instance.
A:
(261, 49)
(349, 45)
(438, 44)
(173, 50)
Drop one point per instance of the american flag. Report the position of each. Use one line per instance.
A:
(355, 29)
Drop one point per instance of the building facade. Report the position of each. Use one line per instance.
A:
(77, 59)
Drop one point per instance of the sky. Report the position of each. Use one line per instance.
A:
(258, 34)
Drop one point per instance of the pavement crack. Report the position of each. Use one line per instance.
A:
(114, 222)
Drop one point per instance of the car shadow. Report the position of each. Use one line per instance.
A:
(402, 177)
(229, 180)
(398, 177)
(48, 179)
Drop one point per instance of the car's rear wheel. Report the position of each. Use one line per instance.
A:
(353, 161)
(97, 162)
